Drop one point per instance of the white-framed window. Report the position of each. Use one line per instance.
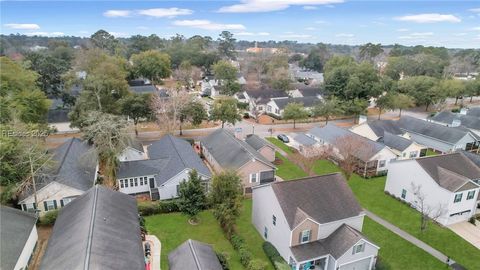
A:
(413, 154)
(50, 205)
(121, 183)
(470, 195)
(358, 248)
(131, 182)
(145, 180)
(404, 154)
(382, 163)
(135, 180)
(30, 207)
(67, 201)
(274, 220)
(404, 193)
(253, 178)
(458, 197)
(305, 236)
(269, 108)
(277, 111)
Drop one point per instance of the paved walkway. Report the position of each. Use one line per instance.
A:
(155, 251)
(467, 231)
(410, 238)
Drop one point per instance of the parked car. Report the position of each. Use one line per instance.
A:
(283, 138)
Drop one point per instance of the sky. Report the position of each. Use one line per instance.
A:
(453, 24)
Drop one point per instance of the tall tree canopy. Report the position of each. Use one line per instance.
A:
(226, 45)
(225, 110)
(153, 65)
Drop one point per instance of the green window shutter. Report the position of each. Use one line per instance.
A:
(55, 204)
(45, 206)
(61, 203)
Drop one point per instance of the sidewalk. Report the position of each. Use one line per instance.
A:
(410, 238)
(156, 248)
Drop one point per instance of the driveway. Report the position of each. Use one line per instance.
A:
(467, 231)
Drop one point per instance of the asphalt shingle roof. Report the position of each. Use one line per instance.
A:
(331, 133)
(74, 164)
(395, 142)
(256, 142)
(98, 230)
(467, 121)
(336, 244)
(16, 226)
(450, 171)
(324, 198)
(381, 126)
(229, 151)
(167, 157)
(193, 255)
(474, 112)
(446, 134)
(262, 96)
(303, 139)
(306, 101)
(475, 158)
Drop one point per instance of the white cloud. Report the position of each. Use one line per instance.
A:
(310, 7)
(252, 34)
(208, 25)
(310, 28)
(113, 13)
(346, 35)
(46, 34)
(296, 36)
(272, 5)
(475, 10)
(120, 34)
(476, 28)
(417, 35)
(23, 26)
(165, 12)
(402, 30)
(429, 18)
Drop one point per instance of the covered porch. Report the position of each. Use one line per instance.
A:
(312, 255)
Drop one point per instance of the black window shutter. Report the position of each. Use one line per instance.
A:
(45, 205)
(61, 203)
(55, 204)
(35, 206)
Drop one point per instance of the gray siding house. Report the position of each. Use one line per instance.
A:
(314, 222)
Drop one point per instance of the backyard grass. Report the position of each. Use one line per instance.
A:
(287, 170)
(397, 253)
(372, 197)
(252, 238)
(280, 144)
(173, 229)
(430, 152)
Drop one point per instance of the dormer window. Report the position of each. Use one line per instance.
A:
(358, 248)
(305, 236)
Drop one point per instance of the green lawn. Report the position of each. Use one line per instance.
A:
(173, 229)
(372, 197)
(252, 238)
(324, 166)
(280, 144)
(397, 253)
(287, 170)
(430, 152)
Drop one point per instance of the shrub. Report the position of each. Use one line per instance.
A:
(223, 258)
(272, 253)
(257, 265)
(245, 256)
(157, 207)
(237, 241)
(49, 218)
(456, 110)
(472, 220)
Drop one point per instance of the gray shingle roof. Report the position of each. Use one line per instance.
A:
(98, 230)
(381, 126)
(16, 227)
(143, 89)
(168, 157)
(256, 142)
(395, 142)
(450, 171)
(324, 198)
(306, 101)
(74, 164)
(193, 255)
(230, 152)
(475, 158)
(336, 244)
(467, 121)
(262, 96)
(446, 134)
(303, 139)
(474, 112)
(331, 133)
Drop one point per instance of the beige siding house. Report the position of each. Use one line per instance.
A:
(224, 151)
(314, 222)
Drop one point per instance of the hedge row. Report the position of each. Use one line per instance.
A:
(48, 218)
(278, 262)
(157, 207)
(239, 245)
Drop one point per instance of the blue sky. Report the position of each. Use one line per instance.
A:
(438, 23)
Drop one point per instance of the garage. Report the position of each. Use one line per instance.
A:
(357, 265)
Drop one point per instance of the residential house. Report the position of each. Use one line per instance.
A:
(402, 147)
(374, 130)
(475, 158)
(446, 184)
(99, 230)
(170, 160)
(57, 116)
(373, 157)
(73, 171)
(262, 146)
(214, 88)
(451, 119)
(438, 137)
(276, 106)
(18, 238)
(193, 255)
(133, 151)
(305, 144)
(314, 223)
(224, 151)
(141, 86)
(304, 75)
(302, 90)
(257, 99)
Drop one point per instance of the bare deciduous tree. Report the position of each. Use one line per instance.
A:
(427, 212)
(168, 109)
(309, 156)
(352, 153)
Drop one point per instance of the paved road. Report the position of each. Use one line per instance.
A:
(410, 238)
